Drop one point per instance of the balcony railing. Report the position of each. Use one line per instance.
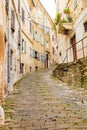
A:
(81, 50)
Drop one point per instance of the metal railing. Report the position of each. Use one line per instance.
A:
(82, 50)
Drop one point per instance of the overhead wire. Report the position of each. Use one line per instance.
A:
(31, 17)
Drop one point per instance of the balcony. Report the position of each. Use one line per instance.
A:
(68, 26)
(64, 27)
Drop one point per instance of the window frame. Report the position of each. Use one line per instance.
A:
(85, 26)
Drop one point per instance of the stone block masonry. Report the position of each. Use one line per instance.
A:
(74, 74)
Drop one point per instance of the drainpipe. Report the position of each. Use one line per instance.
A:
(44, 46)
(20, 37)
(10, 87)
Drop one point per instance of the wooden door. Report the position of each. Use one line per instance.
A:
(73, 42)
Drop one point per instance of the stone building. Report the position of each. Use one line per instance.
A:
(28, 40)
(25, 44)
(54, 48)
(3, 51)
(41, 35)
(72, 30)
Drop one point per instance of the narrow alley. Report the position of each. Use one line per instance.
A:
(41, 102)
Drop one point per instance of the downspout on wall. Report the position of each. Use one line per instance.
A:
(10, 87)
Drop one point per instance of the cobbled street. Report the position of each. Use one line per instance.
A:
(41, 102)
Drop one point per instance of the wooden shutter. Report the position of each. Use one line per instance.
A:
(19, 6)
(33, 53)
(23, 15)
(7, 6)
(24, 46)
(19, 37)
(52, 37)
(30, 27)
(12, 20)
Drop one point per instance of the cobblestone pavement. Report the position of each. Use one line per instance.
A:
(41, 102)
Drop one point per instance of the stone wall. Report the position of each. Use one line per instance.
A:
(75, 74)
(2, 48)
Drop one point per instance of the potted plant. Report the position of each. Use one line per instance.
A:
(67, 11)
(69, 18)
(62, 21)
(54, 27)
(57, 18)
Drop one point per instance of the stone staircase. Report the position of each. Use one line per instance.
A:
(74, 73)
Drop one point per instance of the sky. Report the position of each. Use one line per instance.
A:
(50, 7)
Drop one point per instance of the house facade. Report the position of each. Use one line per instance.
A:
(72, 30)
(25, 44)
(41, 36)
(3, 51)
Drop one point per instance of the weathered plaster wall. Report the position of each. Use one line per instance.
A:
(2, 65)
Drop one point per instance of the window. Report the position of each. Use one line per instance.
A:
(42, 58)
(31, 52)
(36, 54)
(53, 50)
(35, 36)
(19, 38)
(35, 19)
(22, 68)
(46, 44)
(52, 37)
(11, 59)
(12, 20)
(42, 26)
(42, 40)
(19, 6)
(30, 27)
(60, 53)
(15, 64)
(75, 4)
(85, 26)
(47, 30)
(22, 46)
(23, 15)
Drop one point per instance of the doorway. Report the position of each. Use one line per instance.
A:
(47, 60)
(73, 43)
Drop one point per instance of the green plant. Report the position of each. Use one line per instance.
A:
(57, 18)
(67, 11)
(54, 27)
(62, 21)
(69, 19)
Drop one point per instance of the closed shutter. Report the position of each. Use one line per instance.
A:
(34, 53)
(25, 47)
(75, 3)
(12, 20)
(19, 37)
(7, 6)
(23, 15)
(38, 56)
(19, 6)
(30, 27)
